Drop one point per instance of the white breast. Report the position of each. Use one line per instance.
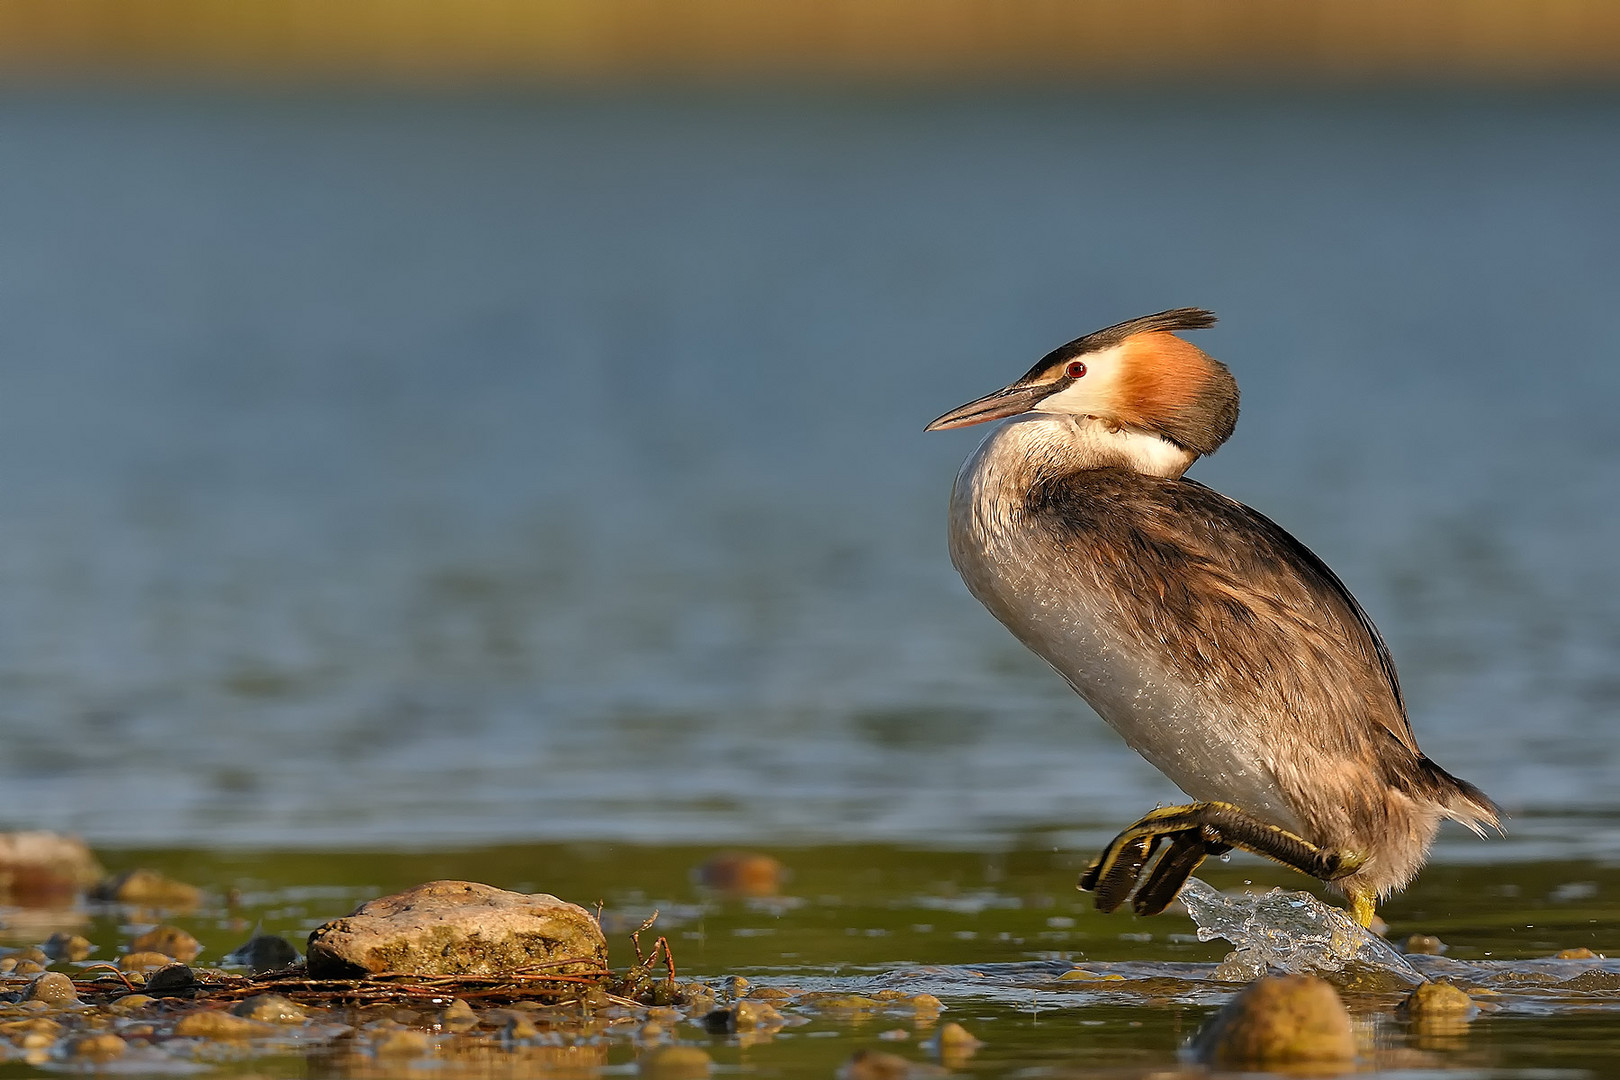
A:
(1037, 590)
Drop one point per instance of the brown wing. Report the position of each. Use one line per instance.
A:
(1238, 605)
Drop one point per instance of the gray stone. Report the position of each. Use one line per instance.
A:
(458, 928)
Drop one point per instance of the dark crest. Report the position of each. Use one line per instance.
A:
(1182, 318)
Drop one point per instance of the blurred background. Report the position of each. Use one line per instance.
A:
(430, 423)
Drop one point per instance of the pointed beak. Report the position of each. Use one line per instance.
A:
(1013, 400)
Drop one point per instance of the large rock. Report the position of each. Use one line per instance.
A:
(458, 928)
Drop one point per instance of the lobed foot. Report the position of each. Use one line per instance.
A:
(1194, 832)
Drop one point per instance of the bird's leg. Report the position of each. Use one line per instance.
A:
(1361, 909)
(1196, 831)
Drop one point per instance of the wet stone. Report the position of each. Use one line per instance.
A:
(147, 888)
(925, 1005)
(1581, 953)
(169, 940)
(458, 1016)
(27, 967)
(519, 1028)
(38, 1025)
(401, 1043)
(1425, 945)
(878, 1065)
(1437, 999)
(63, 946)
(674, 1063)
(1279, 1019)
(219, 1027)
(264, 952)
(144, 961)
(103, 1047)
(953, 1036)
(1588, 981)
(53, 988)
(697, 998)
(270, 1009)
(458, 928)
(171, 980)
(131, 1002)
(743, 1016)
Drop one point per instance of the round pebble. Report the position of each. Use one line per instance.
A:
(53, 988)
(144, 961)
(1425, 945)
(458, 1016)
(169, 940)
(1280, 1019)
(219, 1026)
(103, 1047)
(1437, 999)
(271, 1009)
(674, 1063)
(401, 1043)
(150, 888)
(874, 1065)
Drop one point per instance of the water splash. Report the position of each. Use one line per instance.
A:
(1292, 932)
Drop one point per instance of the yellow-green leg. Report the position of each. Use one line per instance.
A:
(1361, 909)
(1195, 831)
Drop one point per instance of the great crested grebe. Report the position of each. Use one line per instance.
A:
(1223, 650)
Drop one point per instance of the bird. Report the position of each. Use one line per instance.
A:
(1222, 649)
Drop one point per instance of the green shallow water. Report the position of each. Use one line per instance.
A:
(987, 933)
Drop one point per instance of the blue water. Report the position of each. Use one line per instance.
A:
(409, 471)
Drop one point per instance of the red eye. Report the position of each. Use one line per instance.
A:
(1075, 369)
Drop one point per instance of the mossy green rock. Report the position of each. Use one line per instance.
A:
(1280, 1019)
(458, 928)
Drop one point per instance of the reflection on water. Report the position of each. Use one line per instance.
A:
(410, 471)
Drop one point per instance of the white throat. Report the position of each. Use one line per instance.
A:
(1100, 444)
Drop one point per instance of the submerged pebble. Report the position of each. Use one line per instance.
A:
(1580, 953)
(674, 1063)
(220, 1026)
(99, 1047)
(1279, 1019)
(880, 1065)
(271, 1009)
(401, 1042)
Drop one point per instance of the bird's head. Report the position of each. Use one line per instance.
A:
(1136, 378)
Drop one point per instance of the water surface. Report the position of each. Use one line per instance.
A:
(416, 472)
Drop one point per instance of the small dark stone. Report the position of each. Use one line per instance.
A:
(264, 952)
(175, 980)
